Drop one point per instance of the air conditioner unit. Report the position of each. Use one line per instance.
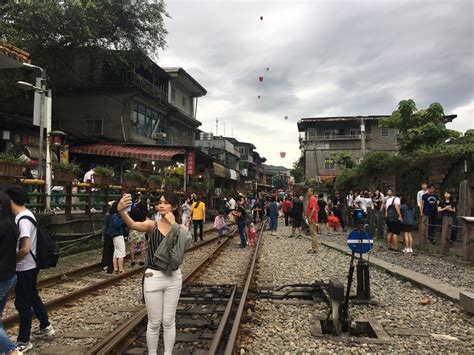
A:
(159, 135)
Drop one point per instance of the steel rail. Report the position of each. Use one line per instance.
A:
(229, 350)
(119, 339)
(55, 303)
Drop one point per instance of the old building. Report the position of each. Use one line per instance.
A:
(321, 137)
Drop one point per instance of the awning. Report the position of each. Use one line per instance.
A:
(128, 151)
(11, 56)
(221, 170)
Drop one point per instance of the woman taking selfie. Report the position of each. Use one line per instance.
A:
(162, 278)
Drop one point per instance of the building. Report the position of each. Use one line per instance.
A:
(277, 176)
(321, 137)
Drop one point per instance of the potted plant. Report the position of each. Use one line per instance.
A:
(133, 178)
(65, 172)
(103, 175)
(196, 186)
(171, 183)
(10, 165)
(154, 182)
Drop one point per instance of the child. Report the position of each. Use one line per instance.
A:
(252, 234)
(220, 225)
(333, 222)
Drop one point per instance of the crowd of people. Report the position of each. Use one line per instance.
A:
(162, 236)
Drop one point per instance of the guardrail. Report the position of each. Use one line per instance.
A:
(78, 196)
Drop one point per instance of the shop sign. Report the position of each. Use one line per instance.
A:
(190, 161)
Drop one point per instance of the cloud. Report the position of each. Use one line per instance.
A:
(325, 58)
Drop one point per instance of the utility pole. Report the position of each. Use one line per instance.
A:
(49, 170)
(362, 137)
(217, 125)
(42, 93)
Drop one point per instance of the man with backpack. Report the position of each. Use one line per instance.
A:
(27, 269)
(393, 217)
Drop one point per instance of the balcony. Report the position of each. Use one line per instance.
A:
(337, 137)
(129, 78)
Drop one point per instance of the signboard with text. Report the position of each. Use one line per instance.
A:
(190, 160)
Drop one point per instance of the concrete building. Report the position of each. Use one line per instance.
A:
(320, 137)
(220, 148)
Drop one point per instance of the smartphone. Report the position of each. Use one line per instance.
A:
(129, 208)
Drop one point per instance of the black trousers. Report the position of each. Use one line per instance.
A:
(287, 218)
(197, 223)
(27, 298)
(339, 214)
(108, 253)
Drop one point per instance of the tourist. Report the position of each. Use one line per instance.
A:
(108, 244)
(162, 282)
(220, 225)
(322, 214)
(419, 196)
(447, 208)
(312, 217)
(186, 208)
(26, 290)
(252, 234)
(257, 210)
(363, 201)
(296, 217)
(429, 208)
(232, 203)
(240, 216)
(8, 238)
(116, 230)
(137, 239)
(408, 215)
(286, 208)
(273, 212)
(198, 215)
(338, 208)
(393, 219)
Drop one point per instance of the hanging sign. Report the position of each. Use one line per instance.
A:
(190, 160)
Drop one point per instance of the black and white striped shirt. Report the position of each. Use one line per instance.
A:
(153, 243)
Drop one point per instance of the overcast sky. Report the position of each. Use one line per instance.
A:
(324, 57)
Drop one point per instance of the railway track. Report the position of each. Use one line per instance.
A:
(204, 313)
(88, 280)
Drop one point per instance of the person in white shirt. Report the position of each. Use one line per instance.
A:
(350, 199)
(89, 176)
(232, 203)
(363, 202)
(26, 291)
(419, 196)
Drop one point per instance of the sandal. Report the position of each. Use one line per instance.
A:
(116, 272)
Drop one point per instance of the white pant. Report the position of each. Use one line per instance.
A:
(119, 247)
(161, 299)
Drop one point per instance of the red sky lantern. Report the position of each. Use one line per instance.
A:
(282, 154)
(260, 78)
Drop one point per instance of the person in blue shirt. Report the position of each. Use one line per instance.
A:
(429, 206)
(408, 214)
(273, 210)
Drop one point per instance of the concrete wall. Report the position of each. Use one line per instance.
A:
(180, 92)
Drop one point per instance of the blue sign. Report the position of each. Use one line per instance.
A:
(362, 243)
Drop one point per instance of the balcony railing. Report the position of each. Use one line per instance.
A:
(130, 78)
(337, 137)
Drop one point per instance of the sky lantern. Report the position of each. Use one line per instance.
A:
(268, 69)
(286, 117)
(282, 154)
(261, 18)
(258, 96)
(260, 78)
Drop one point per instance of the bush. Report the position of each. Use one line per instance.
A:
(156, 178)
(104, 170)
(67, 167)
(136, 175)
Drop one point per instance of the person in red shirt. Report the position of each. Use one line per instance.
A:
(286, 207)
(312, 209)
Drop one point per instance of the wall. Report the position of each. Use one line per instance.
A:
(180, 92)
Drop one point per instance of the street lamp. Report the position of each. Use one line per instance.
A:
(44, 110)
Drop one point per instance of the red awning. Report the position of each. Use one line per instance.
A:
(128, 151)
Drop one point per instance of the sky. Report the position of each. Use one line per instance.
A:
(324, 58)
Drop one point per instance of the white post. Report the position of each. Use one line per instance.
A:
(47, 115)
(41, 124)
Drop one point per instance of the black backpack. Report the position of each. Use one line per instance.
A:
(47, 251)
(392, 215)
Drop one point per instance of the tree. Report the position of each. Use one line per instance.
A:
(298, 169)
(344, 159)
(419, 128)
(43, 28)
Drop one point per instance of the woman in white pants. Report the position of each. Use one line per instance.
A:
(161, 289)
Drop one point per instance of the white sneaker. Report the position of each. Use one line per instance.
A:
(24, 347)
(405, 250)
(410, 250)
(93, 210)
(42, 332)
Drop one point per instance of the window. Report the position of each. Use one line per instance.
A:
(326, 134)
(329, 164)
(173, 95)
(353, 133)
(241, 150)
(184, 101)
(311, 135)
(93, 127)
(144, 119)
(384, 132)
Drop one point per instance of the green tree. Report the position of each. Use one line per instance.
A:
(45, 27)
(298, 169)
(344, 159)
(419, 128)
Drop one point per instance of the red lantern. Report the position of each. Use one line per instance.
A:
(260, 78)
(282, 154)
